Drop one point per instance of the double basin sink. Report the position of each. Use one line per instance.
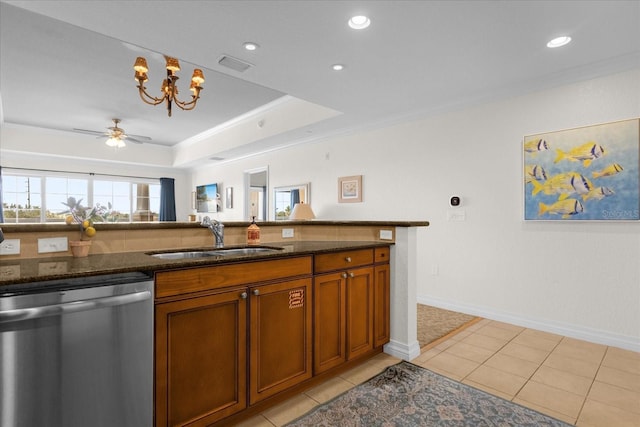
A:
(221, 252)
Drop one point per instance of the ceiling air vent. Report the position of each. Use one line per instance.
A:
(216, 158)
(234, 63)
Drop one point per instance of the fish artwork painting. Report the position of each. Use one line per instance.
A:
(588, 173)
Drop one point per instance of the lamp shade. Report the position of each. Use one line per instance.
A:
(301, 211)
(141, 65)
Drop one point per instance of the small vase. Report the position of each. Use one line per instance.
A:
(80, 248)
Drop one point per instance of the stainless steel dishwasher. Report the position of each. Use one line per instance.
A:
(77, 353)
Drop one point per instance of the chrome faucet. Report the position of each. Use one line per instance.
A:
(217, 228)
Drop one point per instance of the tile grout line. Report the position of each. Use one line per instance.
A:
(592, 382)
(531, 379)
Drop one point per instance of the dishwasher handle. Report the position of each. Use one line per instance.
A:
(20, 314)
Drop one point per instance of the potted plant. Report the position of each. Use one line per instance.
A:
(84, 217)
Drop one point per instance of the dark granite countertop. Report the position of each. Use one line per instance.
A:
(16, 228)
(16, 274)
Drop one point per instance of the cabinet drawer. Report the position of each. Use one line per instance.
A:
(343, 260)
(381, 255)
(178, 282)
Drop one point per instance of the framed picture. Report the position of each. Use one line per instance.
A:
(229, 198)
(350, 189)
(588, 173)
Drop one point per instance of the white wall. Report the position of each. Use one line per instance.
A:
(577, 279)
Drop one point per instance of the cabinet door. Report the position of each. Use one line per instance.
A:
(360, 292)
(280, 335)
(200, 371)
(330, 321)
(381, 307)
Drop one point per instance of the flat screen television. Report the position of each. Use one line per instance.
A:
(207, 198)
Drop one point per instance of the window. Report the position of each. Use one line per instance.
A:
(58, 190)
(21, 199)
(41, 198)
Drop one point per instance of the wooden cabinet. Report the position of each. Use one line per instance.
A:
(381, 305)
(205, 335)
(200, 350)
(280, 334)
(351, 303)
(230, 337)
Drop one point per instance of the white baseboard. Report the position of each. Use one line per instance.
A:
(567, 330)
(402, 351)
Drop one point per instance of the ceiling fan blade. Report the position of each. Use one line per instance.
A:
(136, 141)
(142, 137)
(90, 132)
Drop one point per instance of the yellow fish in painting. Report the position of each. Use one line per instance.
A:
(566, 208)
(535, 145)
(612, 169)
(598, 193)
(536, 172)
(585, 153)
(564, 184)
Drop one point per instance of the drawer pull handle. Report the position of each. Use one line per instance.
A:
(352, 275)
(243, 295)
(256, 292)
(348, 259)
(344, 275)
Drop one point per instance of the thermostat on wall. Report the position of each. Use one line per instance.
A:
(455, 201)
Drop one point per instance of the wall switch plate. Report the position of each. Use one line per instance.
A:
(287, 233)
(53, 244)
(10, 247)
(434, 269)
(386, 235)
(457, 215)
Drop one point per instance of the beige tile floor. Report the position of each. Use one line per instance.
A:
(578, 382)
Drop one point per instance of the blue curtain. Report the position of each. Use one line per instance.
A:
(167, 199)
(1, 205)
(295, 198)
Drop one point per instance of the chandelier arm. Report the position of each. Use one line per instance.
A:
(151, 100)
(186, 106)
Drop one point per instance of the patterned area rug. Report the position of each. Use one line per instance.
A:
(407, 395)
(434, 323)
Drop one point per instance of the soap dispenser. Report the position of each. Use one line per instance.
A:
(253, 233)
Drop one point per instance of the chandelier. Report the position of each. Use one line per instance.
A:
(169, 89)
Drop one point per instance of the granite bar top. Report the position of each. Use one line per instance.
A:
(26, 228)
(18, 274)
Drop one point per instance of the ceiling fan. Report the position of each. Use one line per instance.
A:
(115, 135)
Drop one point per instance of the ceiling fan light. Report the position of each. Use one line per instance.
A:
(141, 65)
(113, 142)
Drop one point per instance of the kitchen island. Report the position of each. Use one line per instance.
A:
(382, 282)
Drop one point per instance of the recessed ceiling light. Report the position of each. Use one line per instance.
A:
(250, 46)
(359, 22)
(337, 67)
(559, 41)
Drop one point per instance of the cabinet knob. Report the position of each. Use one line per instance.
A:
(344, 275)
(243, 295)
(348, 259)
(256, 292)
(352, 275)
